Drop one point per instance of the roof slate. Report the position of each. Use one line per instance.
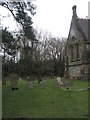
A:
(84, 24)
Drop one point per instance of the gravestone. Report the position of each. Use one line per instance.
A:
(30, 82)
(59, 80)
(68, 85)
(42, 85)
(20, 79)
(14, 84)
(13, 81)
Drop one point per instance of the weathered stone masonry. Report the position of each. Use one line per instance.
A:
(77, 56)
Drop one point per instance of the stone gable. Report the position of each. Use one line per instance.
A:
(77, 49)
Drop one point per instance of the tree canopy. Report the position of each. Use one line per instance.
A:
(44, 57)
(22, 13)
(9, 43)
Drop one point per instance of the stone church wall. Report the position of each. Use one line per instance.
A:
(78, 72)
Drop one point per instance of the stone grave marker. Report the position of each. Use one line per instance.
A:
(20, 79)
(59, 81)
(68, 84)
(42, 85)
(30, 82)
(14, 84)
(13, 81)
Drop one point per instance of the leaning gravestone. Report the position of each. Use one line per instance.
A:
(13, 81)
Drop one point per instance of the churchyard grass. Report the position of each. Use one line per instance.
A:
(49, 102)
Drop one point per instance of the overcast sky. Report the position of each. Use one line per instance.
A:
(54, 16)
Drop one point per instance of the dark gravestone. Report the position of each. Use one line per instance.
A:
(68, 85)
(14, 84)
(13, 81)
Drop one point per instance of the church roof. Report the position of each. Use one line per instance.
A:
(84, 26)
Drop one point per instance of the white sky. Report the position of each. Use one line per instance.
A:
(55, 16)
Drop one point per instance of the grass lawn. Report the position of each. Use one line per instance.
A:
(49, 102)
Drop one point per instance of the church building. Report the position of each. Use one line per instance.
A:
(77, 51)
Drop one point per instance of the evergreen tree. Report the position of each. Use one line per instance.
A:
(22, 13)
(9, 43)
